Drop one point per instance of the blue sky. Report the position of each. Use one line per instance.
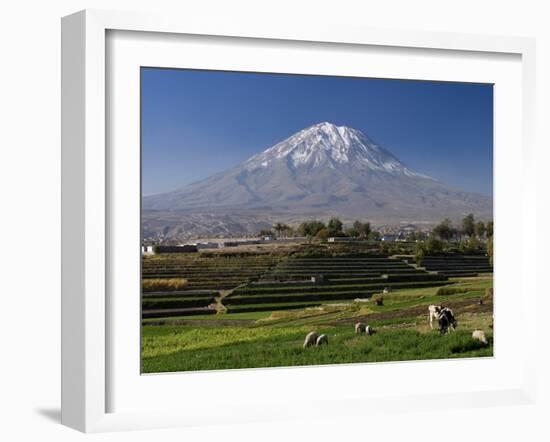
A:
(196, 123)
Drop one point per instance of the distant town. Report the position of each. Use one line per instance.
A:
(333, 232)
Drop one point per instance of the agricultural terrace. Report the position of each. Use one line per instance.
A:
(254, 308)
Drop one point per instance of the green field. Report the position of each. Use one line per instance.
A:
(237, 336)
(173, 348)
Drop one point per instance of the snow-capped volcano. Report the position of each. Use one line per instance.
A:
(331, 145)
(323, 170)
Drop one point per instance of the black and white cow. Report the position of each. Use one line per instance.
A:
(433, 313)
(446, 320)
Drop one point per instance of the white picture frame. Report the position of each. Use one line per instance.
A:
(87, 209)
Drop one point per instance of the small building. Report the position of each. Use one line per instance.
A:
(389, 237)
(207, 245)
(186, 248)
(147, 250)
(341, 239)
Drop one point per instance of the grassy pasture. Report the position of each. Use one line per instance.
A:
(169, 348)
(267, 303)
(274, 339)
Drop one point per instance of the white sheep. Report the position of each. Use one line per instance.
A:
(311, 339)
(323, 339)
(359, 328)
(480, 336)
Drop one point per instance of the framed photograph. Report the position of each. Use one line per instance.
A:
(275, 219)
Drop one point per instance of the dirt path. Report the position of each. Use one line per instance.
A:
(220, 308)
(459, 307)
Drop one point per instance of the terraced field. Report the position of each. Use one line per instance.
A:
(208, 277)
(245, 283)
(290, 283)
(271, 339)
(251, 283)
(458, 265)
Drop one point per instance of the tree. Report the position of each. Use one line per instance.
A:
(323, 234)
(444, 230)
(352, 232)
(433, 246)
(335, 227)
(278, 228)
(468, 225)
(480, 229)
(490, 248)
(266, 232)
(419, 254)
(363, 229)
(410, 237)
(310, 228)
(471, 245)
(489, 229)
(374, 236)
(288, 231)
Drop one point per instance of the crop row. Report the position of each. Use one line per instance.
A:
(346, 292)
(165, 313)
(336, 285)
(314, 270)
(172, 303)
(203, 274)
(269, 307)
(340, 267)
(182, 293)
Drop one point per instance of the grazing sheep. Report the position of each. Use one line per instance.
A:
(386, 290)
(379, 301)
(311, 339)
(433, 313)
(480, 336)
(323, 339)
(359, 328)
(369, 330)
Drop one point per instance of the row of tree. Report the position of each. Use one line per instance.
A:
(446, 231)
(318, 229)
(469, 237)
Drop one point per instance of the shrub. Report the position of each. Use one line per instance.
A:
(433, 246)
(323, 234)
(160, 284)
(419, 255)
(443, 291)
(472, 245)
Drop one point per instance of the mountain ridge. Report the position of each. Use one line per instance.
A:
(324, 168)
